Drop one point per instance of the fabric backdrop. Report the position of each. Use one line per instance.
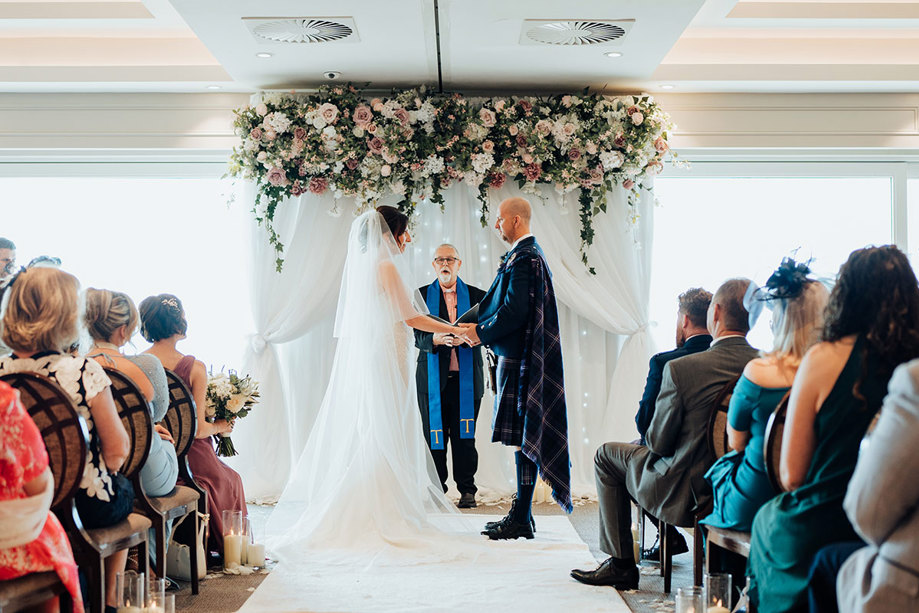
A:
(603, 320)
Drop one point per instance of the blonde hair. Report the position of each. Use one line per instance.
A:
(106, 311)
(798, 322)
(43, 311)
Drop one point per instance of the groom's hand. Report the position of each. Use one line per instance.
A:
(446, 339)
(469, 334)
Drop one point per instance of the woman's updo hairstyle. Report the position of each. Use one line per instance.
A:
(161, 316)
(395, 219)
(106, 311)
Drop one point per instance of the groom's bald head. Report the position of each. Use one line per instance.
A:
(513, 218)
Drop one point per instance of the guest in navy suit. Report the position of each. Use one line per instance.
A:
(691, 337)
(518, 319)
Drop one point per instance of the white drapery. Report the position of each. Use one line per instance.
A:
(603, 320)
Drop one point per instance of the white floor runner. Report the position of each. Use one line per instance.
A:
(504, 576)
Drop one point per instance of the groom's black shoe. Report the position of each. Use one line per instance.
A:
(510, 513)
(507, 528)
(466, 501)
(608, 574)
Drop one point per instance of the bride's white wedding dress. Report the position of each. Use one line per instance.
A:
(366, 477)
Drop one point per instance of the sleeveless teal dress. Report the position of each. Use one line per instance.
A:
(739, 482)
(790, 528)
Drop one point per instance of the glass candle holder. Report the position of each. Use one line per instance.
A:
(129, 591)
(156, 591)
(256, 558)
(689, 600)
(232, 538)
(718, 593)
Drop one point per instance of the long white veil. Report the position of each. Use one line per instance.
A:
(366, 475)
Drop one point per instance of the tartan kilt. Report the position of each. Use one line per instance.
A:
(508, 425)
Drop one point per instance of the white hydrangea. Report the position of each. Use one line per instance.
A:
(473, 179)
(279, 122)
(482, 162)
(426, 113)
(611, 159)
(434, 164)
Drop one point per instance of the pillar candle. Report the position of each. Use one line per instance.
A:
(232, 550)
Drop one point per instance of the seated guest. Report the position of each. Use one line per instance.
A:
(41, 323)
(31, 537)
(112, 319)
(872, 325)
(663, 478)
(691, 337)
(7, 260)
(739, 482)
(162, 322)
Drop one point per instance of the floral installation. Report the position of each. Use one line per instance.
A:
(229, 397)
(414, 145)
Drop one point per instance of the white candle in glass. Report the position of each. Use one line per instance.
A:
(232, 550)
(129, 609)
(718, 608)
(256, 554)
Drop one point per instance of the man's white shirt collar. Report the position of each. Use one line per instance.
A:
(517, 242)
(721, 338)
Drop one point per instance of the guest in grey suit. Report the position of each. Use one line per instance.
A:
(881, 504)
(663, 476)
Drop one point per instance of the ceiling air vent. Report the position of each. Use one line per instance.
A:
(573, 32)
(302, 29)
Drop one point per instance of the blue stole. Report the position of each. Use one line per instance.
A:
(466, 383)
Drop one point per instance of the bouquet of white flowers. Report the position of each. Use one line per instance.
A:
(229, 397)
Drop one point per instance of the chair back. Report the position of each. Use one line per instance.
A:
(718, 422)
(136, 416)
(772, 449)
(64, 432)
(181, 418)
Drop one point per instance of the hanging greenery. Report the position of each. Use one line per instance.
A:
(414, 145)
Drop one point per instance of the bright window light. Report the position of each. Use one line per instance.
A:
(144, 236)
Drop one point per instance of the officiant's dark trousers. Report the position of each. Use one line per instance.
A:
(465, 457)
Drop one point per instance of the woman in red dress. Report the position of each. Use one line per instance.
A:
(24, 473)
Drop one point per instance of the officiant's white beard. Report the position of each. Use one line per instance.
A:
(446, 278)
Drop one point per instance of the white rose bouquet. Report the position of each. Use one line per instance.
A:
(229, 397)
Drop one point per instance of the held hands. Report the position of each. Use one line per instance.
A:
(446, 339)
(468, 334)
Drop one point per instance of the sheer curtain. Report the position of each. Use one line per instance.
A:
(603, 320)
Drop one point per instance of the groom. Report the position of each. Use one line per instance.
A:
(518, 319)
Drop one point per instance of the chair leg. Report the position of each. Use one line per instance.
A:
(159, 533)
(697, 552)
(666, 557)
(193, 553)
(95, 582)
(661, 533)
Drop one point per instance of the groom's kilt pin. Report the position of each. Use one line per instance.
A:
(508, 423)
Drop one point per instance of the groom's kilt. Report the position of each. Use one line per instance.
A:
(508, 424)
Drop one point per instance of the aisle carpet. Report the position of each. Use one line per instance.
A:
(508, 576)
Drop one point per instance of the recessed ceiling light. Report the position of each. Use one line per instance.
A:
(264, 54)
(214, 87)
(666, 86)
(613, 54)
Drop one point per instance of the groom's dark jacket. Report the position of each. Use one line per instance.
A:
(502, 328)
(425, 342)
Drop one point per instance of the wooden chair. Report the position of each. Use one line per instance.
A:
(772, 448)
(158, 509)
(90, 546)
(66, 439)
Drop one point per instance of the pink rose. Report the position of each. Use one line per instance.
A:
(543, 127)
(375, 145)
(270, 134)
(488, 117)
(569, 129)
(372, 128)
(574, 154)
(521, 140)
(376, 104)
(513, 129)
(261, 109)
(299, 133)
(385, 170)
(362, 115)
(619, 141)
(637, 118)
(632, 109)
(566, 102)
(526, 106)
(527, 158)
(402, 116)
(318, 185)
(389, 157)
(591, 148)
(256, 134)
(499, 105)
(596, 175)
(628, 184)
(351, 163)
(532, 172)
(277, 176)
(297, 189)
(488, 146)
(660, 145)
(496, 179)
(329, 112)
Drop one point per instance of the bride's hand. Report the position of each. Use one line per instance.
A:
(468, 334)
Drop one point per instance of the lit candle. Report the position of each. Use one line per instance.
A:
(154, 609)
(129, 609)
(256, 554)
(718, 607)
(232, 550)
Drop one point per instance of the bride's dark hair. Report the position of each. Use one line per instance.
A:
(395, 219)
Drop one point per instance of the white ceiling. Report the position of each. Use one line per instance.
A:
(465, 45)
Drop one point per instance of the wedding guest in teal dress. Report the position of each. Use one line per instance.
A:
(739, 482)
(872, 325)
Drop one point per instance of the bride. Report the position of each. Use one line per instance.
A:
(366, 475)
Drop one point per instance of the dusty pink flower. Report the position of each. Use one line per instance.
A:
(375, 145)
(527, 158)
(402, 116)
(488, 117)
(632, 109)
(619, 141)
(499, 105)
(299, 133)
(277, 176)
(513, 129)
(574, 154)
(566, 102)
(302, 170)
(569, 129)
(362, 115)
(318, 185)
(591, 148)
(255, 134)
(660, 145)
(637, 118)
(351, 163)
(543, 127)
(532, 172)
(270, 134)
(526, 106)
(521, 140)
(596, 175)
(496, 179)
(261, 109)
(376, 104)
(385, 170)
(389, 157)
(297, 188)
(488, 146)
(628, 184)
(372, 128)
(329, 112)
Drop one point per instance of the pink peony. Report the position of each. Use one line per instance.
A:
(496, 179)
(574, 154)
(362, 115)
(299, 133)
(255, 134)
(402, 116)
(660, 145)
(318, 185)
(385, 170)
(513, 129)
(351, 163)
(297, 188)
(526, 106)
(488, 146)
(375, 145)
(329, 112)
(277, 176)
(488, 117)
(532, 172)
(628, 184)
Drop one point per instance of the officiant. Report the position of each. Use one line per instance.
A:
(449, 377)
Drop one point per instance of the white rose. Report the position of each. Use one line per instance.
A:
(358, 131)
(319, 123)
(637, 118)
(235, 403)
(261, 109)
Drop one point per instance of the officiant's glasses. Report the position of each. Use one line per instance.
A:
(447, 260)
